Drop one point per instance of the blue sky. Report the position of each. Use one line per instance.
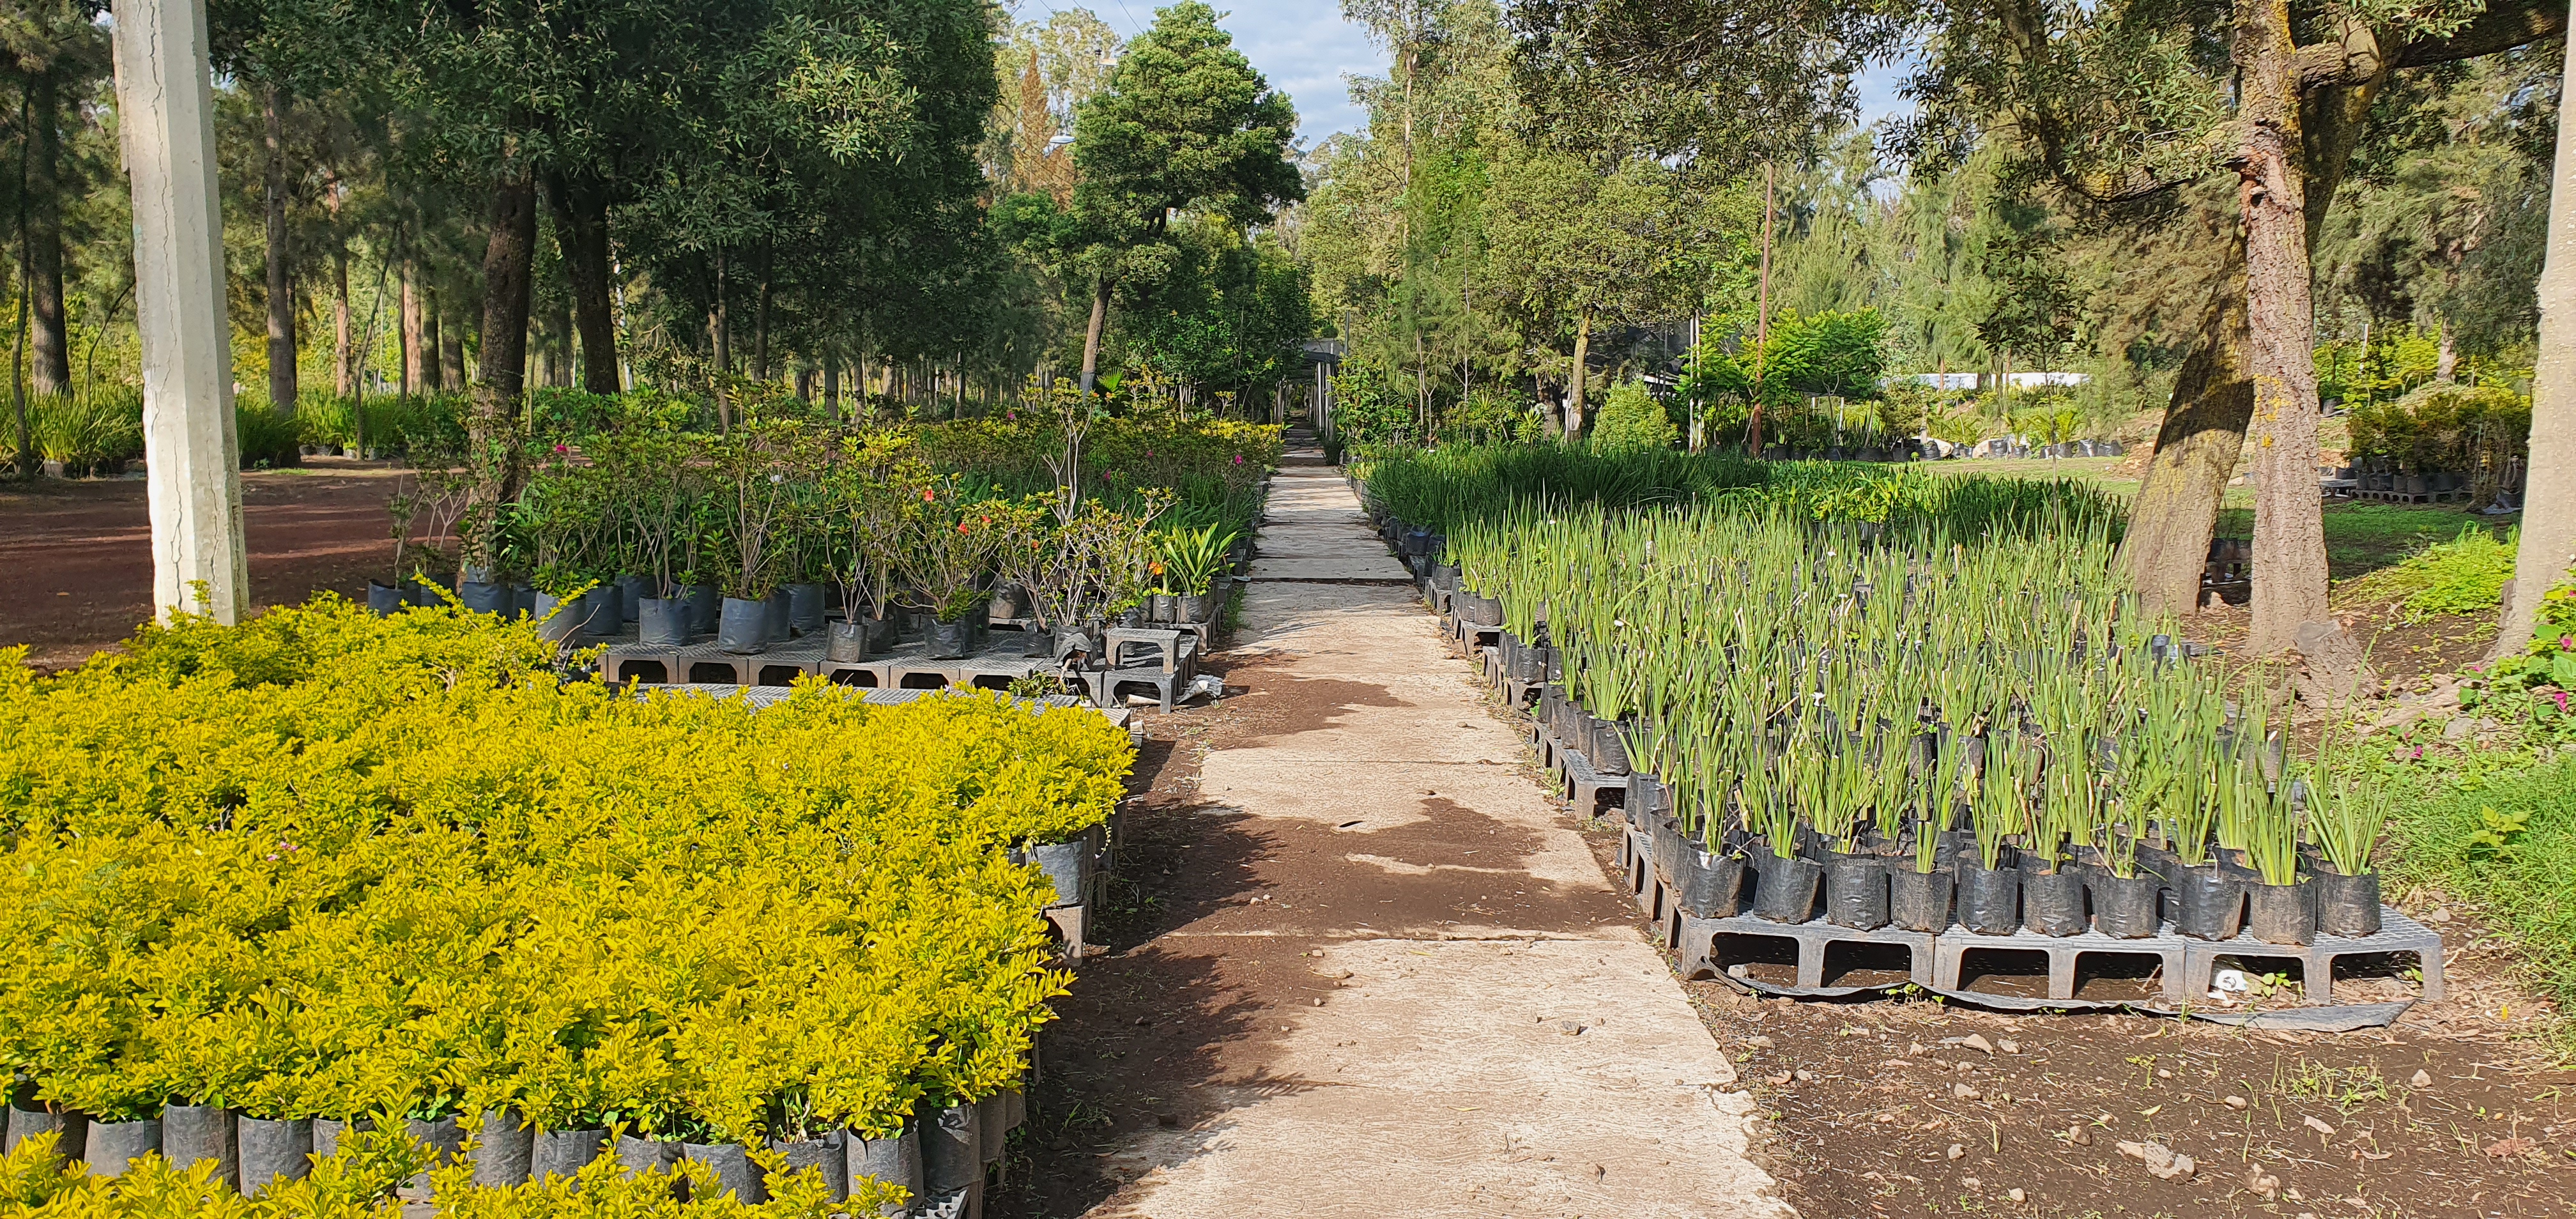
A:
(1305, 48)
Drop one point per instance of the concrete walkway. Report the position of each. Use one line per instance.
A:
(1470, 1024)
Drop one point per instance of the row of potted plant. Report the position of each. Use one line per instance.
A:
(767, 531)
(326, 869)
(1913, 724)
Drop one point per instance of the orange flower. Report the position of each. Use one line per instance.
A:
(962, 527)
(927, 495)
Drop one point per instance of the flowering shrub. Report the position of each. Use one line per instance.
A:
(2539, 682)
(327, 864)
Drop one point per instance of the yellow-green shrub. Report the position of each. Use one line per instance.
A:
(327, 864)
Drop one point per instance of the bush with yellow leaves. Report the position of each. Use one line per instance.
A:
(331, 865)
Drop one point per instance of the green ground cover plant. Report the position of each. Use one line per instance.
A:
(332, 865)
(2465, 575)
(2507, 845)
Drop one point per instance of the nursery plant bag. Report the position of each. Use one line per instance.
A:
(821, 1155)
(736, 1173)
(2281, 914)
(2052, 902)
(1989, 898)
(273, 1151)
(743, 630)
(894, 1159)
(1919, 901)
(950, 640)
(69, 1130)
(564, 1153)
(1785, 889)
(805, 608)
(662, 622)
(2125, 909)
(112, 1145)
(952, 1154)
(2208, 904)
(2346, 905)
(1856, 892)
(1710, 885)
(503, 1149)
(191, 1134)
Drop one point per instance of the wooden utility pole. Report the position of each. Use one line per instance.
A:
(166, 120)
(2548, 545)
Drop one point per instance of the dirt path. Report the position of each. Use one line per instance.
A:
(1369, 971)
(78, 555)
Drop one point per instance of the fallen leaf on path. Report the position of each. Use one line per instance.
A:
(2505, 1149)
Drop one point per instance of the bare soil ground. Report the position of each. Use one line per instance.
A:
(1877, 1108)
(79, 564)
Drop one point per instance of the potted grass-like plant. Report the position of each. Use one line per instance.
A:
(1990, 883)
(1830, 781)
(2345, 817)
(1918, 897)
(1785, 884)
(2278, 907)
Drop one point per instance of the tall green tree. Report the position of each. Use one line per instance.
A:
(1185, 124)
(2120, 103)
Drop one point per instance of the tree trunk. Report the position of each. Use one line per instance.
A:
(1091, 334)
(434, 354)
(2289, 528)
(760, 325)
(2548, 547)
(2446, 364)
(581, 227)
(344, 348)
(491, 424)
(52, 373)
(451, 352)
(2176, 509)
(281, 290)
(419, 363)
(1574, 383)
(720, 336)
(831, 381)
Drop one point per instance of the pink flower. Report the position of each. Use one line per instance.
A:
(560, 450)
(2561, 697)
(1238, 459)
(2567, 643)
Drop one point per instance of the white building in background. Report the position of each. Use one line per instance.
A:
(1978, 380)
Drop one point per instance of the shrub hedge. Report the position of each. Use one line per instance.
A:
(332, 865)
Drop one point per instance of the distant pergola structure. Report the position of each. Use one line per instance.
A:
(192, 458)
(1326, 357)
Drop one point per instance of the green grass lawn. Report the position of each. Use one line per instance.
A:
(2360, 537)
(2507, 845)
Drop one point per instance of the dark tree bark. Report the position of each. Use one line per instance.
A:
(51, 340)
(418, 362)
(281, 288)
(760, 325)
(831, 381)
(581, 226)
(508, 255)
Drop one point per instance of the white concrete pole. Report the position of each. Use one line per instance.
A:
(165, 113)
